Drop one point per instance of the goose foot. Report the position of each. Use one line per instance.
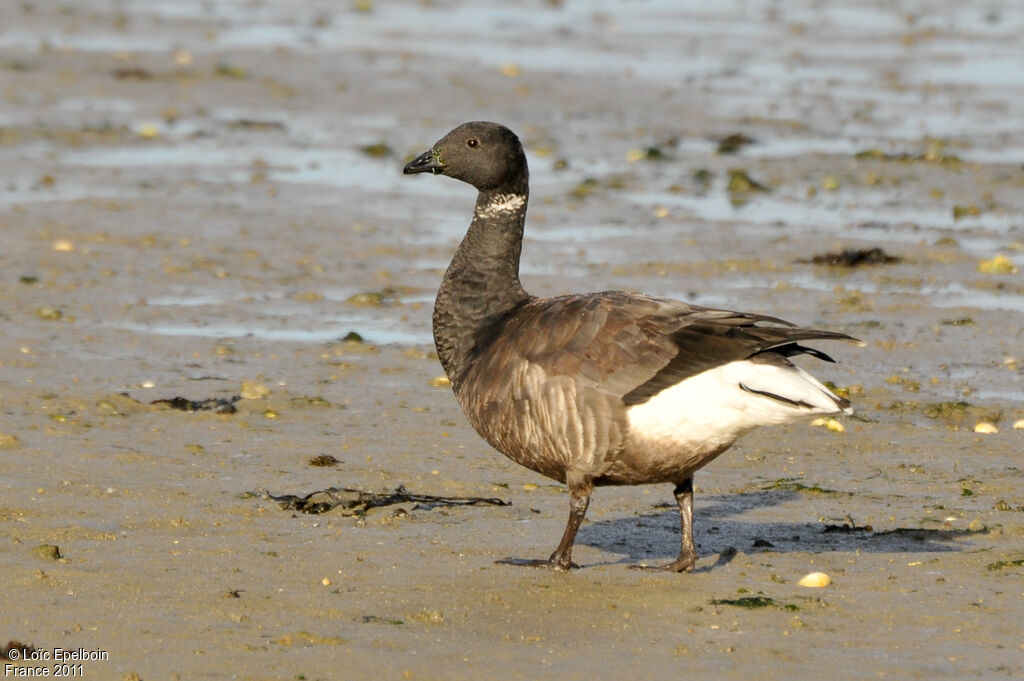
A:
(551, 563)
(678, 565)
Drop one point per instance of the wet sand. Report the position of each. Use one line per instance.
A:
(203, 200)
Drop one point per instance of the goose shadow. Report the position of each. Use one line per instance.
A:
(653, 537)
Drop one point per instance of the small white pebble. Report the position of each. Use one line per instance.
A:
(985, 427)
(147, 384)
(325, 581)
(815, 580)
(1018, 425)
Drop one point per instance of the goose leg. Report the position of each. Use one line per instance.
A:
(687, 552)
(561, 559)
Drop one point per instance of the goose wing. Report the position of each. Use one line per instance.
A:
(549, 383)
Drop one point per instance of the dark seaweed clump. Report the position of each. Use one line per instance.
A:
(847, 527)
(730, 144)
(23, 651)
(752, 602)
(855, 258)
(358, 502)
(746, 601)
(218, 405)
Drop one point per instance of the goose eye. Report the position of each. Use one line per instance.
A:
(472, 143)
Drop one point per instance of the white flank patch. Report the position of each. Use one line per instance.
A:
(710, 410)
(502, 204)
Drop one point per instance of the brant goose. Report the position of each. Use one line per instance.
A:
(609, 388)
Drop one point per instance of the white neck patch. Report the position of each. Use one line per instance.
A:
(502, 204)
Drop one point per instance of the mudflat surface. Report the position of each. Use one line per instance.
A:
(202, 200)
